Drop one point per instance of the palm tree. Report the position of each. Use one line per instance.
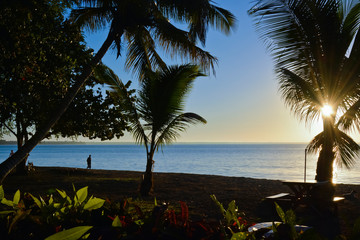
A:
(316, 44)
(157, 116)
(143, 25)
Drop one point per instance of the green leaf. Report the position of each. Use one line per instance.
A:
(42, 201)
(6, 212)
(36, 200)
(232, 207)
(280, 212)
(62, 193)
(116, 222)
(70, 234)
(51, 200)
(81, 194)
(7, 202)
(222, 209)
(155, 202)
(239, 236)
(1, 192)
(290, 218)
(86, 236)
(228, 217)
(94, 203)
(16, 197)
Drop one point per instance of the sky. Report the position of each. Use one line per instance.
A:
(241, 103)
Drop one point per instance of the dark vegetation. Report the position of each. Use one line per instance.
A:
(192, 193)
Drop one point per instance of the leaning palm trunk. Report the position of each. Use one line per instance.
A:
(9, 164)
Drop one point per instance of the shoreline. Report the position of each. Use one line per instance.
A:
(194, 189)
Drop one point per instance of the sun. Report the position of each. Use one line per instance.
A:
(327, 110)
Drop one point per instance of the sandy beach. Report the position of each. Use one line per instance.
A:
(171, 188)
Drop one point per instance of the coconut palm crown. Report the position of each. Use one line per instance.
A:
(144, 25)
(158, 115)
(316, 44)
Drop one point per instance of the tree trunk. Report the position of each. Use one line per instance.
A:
(21, 167)
(10, 163)
(324, 168)
(146, 185)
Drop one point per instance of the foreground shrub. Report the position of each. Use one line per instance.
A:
(80, 216)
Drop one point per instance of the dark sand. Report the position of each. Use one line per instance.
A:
(174, 187)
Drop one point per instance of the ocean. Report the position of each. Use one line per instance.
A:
(264, 161)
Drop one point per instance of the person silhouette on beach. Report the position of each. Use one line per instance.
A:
(88, 160)
(11, 153)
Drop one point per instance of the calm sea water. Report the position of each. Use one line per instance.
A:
(269, 161)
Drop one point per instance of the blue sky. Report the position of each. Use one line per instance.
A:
(241, 103)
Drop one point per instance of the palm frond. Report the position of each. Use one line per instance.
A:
(199, 15)
(93, 19)
(163, 93)
(142, 54)
(222, 19)
(351, 118)
(176, 41)
(177, 125)
(347, 150)
(315, 144)
(303, 100)
(119, 91)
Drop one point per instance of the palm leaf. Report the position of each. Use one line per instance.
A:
(347, 150)
(177, 125)
(175, 41)
(163, 93)
(304, 100)
(120, 91)
(142, 54)
(198, 14)
(351, 117)
(94, 18)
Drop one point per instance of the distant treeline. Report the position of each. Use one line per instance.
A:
(4, 142)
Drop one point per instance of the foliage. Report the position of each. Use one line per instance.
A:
(157, 115)
(146, 26)
(71, 234)
(315, 45)
(83, 217)
(41, 57)
(235, 227)
(86, 217)
(48, 213)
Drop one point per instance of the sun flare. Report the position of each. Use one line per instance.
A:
(327, 110)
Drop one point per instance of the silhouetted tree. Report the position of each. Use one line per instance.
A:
(316, 44)
(157, 115)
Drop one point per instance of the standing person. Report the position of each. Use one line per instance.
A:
(88, 160)
(11, 153)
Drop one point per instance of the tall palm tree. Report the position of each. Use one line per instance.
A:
(143, 25)
(316, 46)
(157, 115)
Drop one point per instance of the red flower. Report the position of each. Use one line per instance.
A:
(58, 228)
